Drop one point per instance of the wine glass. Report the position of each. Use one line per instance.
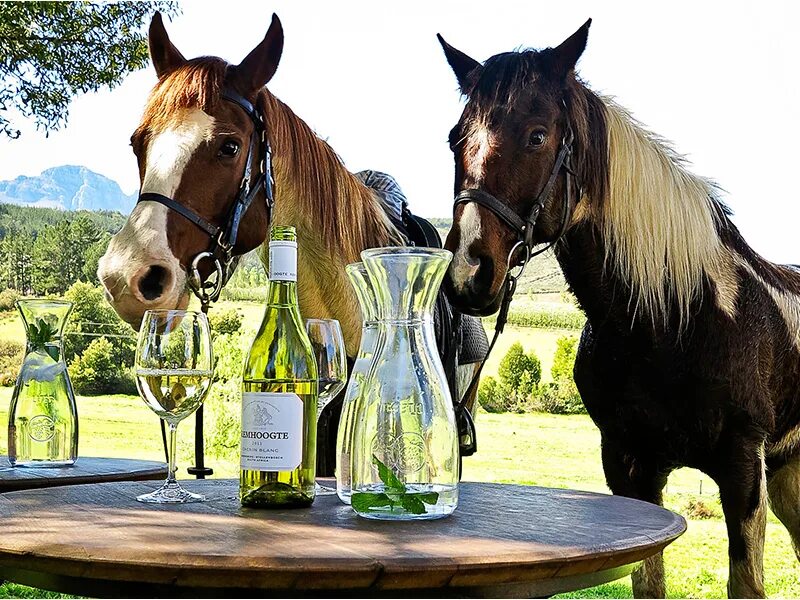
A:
(173, 373)
(327, 343)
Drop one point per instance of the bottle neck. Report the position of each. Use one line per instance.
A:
(282, 293)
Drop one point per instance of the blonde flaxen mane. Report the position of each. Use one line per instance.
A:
(660, 219)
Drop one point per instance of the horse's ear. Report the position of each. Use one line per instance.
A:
(258, 67)
(566, 55)
(166, 57)
(463, 66)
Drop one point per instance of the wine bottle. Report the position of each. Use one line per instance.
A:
(279, 395)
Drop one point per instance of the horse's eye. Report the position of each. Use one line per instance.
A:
(536, 139)
(229, 149)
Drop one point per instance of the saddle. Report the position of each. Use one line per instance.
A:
(460, 339)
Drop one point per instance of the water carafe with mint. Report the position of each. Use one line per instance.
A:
(43, 418)
(405, 447)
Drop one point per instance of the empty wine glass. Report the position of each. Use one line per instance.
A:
(173, 373)
(327, 343)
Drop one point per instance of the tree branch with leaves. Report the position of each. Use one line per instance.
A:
(52, 51)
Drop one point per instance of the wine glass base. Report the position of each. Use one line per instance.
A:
(323, 490)
(170, 493)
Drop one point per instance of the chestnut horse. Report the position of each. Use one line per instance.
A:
(691, 352)
(192, 147)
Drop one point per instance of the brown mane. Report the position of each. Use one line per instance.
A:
(345, 212)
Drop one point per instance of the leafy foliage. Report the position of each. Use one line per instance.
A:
(53, 51)
(11, 354)
(225, 322)
(8, 299)
(91, 317)
(44, 251)
(515, 364)
(520, 389)
(96, 372)
(564, 358)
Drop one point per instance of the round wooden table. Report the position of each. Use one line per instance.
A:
(85, 470)
(502, 541)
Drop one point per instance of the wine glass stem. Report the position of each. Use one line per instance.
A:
(173, 438)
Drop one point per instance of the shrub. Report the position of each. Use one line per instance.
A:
(96, 371)
(559, 398)
(226, 321)
(515, 363)
(7, 299)
(11, 354)
(564, 358)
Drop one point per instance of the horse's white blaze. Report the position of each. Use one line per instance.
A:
(169, 152)
(464, 267)
(477, 147)
(143, 242)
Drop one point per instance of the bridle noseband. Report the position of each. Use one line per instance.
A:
(223, 239)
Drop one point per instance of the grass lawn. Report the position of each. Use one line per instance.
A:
(549, 450)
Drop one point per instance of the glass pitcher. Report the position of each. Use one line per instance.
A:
(43, 418)
(405, 447)
(357, 273)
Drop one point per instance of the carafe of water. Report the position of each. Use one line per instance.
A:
(405, 448)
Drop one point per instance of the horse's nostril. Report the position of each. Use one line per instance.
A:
(151, 285)
(485, 273)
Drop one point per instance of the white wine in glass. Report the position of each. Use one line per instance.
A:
(173, 374)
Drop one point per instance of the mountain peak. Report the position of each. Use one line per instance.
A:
(68, 187)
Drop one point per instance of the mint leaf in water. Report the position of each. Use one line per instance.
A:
(389, 479)
(413, 504)
(363, 502)
(396, 494)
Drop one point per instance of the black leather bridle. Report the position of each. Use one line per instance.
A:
(524, 228)
(223, 239)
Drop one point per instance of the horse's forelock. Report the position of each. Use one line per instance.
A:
(196, 84)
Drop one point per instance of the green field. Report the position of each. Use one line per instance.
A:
(540, 449)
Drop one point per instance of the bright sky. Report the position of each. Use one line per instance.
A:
(719, 79)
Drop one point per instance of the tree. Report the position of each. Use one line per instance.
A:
(52, 51)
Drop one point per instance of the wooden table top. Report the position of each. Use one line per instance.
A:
(503, 540)
(85, 470)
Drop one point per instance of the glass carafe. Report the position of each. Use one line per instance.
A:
(405, 447)
(357, 273)
(43, 418)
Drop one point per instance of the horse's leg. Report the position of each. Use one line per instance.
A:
(742, 490)
(633, 477)
(783, 487)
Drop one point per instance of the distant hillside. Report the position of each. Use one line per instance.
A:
(67, 188)
(543, 274)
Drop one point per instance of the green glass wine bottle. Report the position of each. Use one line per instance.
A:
(279, 394)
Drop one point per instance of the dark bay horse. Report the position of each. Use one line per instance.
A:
(192, 147)
(691, 352)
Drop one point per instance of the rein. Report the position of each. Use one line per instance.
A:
(223, 239)
(524, 230)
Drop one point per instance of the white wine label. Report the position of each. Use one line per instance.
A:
(282, 260)
(272, 431)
